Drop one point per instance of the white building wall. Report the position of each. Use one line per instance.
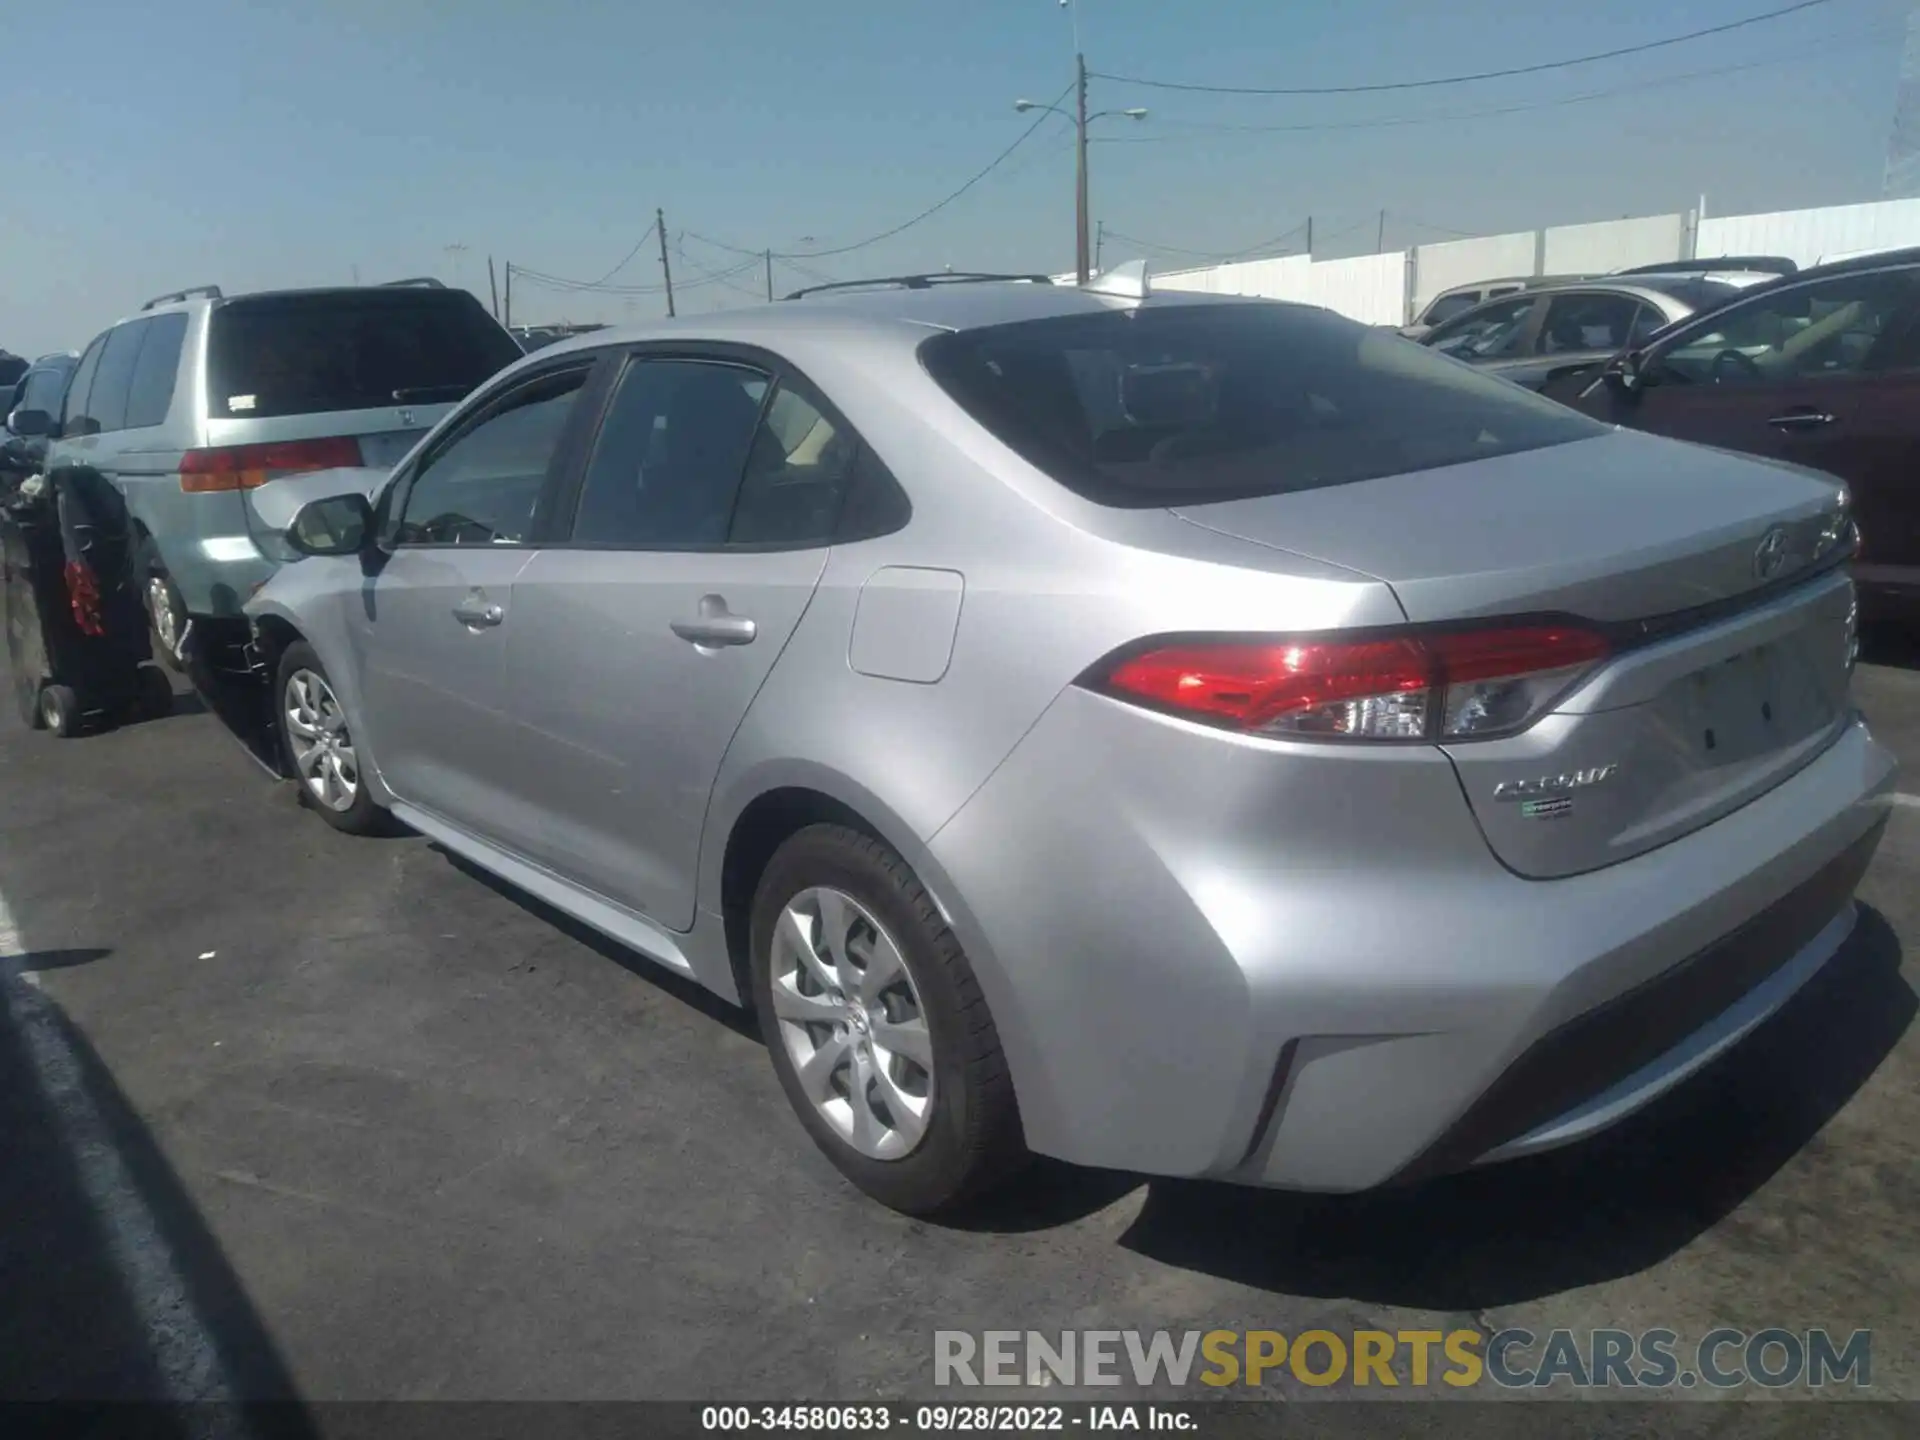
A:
(1613, 244)
(1462, 262)
(1808, 236)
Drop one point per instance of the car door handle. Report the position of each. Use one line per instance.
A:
(478, 613)
(715, 625)
(1801, 420)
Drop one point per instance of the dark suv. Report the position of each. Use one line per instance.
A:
(1821, 368)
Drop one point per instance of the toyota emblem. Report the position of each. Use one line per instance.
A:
(1771, 557)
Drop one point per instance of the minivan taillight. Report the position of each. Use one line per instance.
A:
(1441, 685)
(242, 467)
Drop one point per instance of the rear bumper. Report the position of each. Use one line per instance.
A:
(1262, 963)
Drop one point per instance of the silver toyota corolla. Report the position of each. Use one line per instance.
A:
(1192, 736)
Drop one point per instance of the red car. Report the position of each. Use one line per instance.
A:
(1821, 368)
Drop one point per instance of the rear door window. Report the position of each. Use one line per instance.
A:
(1592, 320)
(153, 373)
(306, 354)
(1193, 403)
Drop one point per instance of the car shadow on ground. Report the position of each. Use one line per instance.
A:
(1611, 1207)
(116, 1292)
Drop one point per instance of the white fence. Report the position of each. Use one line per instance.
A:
(1390, 289)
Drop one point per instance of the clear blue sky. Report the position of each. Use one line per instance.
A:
(271, 143)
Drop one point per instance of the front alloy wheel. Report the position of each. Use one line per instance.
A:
(852, 1022)
(322, 748)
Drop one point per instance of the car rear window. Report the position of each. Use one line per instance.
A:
(1191, 403)
(354, 350)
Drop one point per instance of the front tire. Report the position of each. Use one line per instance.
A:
(167, 619)
(877, 1027)
(319, 745)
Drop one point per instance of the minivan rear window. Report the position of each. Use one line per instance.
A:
(304, 354)
(1184, 404)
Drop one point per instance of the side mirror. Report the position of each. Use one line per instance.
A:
(30, 424)
(337, 525)
(1623, 374)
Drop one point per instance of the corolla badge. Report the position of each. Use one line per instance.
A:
(1544, 785)
(1771, 557)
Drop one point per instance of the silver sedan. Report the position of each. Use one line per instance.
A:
(1186, 735)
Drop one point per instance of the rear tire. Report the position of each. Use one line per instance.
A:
(319, 745)
(60, 711)
(956, 1133)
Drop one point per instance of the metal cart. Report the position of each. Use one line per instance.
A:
(77, 642)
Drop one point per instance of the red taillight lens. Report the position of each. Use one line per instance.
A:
(1454, 686)
(242, 467)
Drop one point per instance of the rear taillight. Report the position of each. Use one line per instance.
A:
(1457, 685)
(242, 467)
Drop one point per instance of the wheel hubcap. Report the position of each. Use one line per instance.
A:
(852, 1022)
(322, 748)
(160, 606)
(49, 710)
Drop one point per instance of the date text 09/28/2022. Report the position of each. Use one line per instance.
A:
(945, 1419)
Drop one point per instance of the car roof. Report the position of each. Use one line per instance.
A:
(907, 313)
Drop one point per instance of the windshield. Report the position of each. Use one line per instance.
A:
(1195, 403)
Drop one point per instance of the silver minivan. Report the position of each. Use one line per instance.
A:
(194, 403)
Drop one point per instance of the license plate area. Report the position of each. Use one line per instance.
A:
(1754, 703)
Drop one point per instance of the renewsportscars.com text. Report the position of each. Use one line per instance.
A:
(1511, 1358)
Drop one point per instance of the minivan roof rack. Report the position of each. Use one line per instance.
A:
(426, 282)
(211, 291)
(924, 282)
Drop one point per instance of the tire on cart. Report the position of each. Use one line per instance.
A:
(60, 710)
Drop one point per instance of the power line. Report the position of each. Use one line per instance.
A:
(717, 279)
(1467, 79)
(1046, 114)
(1198, 132)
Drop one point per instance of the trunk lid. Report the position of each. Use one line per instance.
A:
(1619, 527)
(1714, 574)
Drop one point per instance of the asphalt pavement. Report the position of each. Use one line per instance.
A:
(286, 1113)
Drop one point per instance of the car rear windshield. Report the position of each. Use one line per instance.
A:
(349, 350)
(1183, 404)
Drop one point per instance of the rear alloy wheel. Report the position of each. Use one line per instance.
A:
(876, 1025)
(319, 745)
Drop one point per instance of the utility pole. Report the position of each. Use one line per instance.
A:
(1081, 264)
(1380, 239)
(506, 314)
(660, 229)
(1309, 237)
(1099, 243)
(769, 274)
(493, 288)
(356, 274)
